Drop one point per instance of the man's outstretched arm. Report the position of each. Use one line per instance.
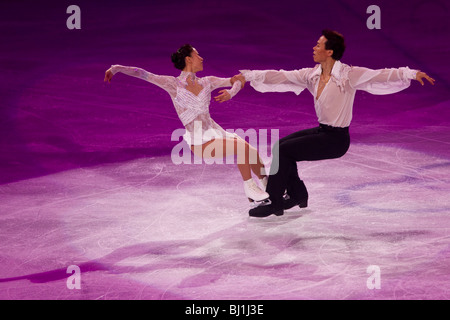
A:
(385, 81)
(422, 75)
(276, 80)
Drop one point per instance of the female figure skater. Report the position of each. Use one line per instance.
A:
(191, 97)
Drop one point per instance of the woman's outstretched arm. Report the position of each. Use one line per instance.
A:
(168, 83)
(226, 94)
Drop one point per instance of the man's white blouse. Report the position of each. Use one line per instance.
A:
(334, 106)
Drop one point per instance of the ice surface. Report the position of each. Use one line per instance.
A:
(149, 223)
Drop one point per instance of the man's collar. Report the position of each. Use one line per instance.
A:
(335, 72)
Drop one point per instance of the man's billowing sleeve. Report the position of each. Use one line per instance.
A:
(381, 81)
(277, 80)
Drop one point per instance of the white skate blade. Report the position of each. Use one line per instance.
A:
(254, 204)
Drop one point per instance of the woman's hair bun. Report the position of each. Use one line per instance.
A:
(178, 58)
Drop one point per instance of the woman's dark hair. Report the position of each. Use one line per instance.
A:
(335, 42)
(178, 58)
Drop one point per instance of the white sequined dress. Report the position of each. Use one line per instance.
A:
(193, 110)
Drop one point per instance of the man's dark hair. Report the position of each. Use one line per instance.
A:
(335, 42)
(178, 58)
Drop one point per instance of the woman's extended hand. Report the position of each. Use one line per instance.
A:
(223, 96)
(108, 75)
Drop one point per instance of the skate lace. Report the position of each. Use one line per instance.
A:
(255, 188)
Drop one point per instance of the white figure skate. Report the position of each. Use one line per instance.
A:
(254, 194)
(264, 182)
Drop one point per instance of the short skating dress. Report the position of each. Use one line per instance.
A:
(193, 110)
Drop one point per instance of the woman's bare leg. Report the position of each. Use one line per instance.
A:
(256, 163)
(248, 159)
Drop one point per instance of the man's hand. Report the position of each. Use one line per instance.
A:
(238, 77)
(108, 75)
(420, 75)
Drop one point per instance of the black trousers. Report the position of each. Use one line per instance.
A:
(323, 142)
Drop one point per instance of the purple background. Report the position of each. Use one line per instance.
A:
(57, 114)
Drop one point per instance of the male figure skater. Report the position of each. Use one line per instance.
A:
(333, 85)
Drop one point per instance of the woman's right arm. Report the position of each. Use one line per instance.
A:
(167, 83)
